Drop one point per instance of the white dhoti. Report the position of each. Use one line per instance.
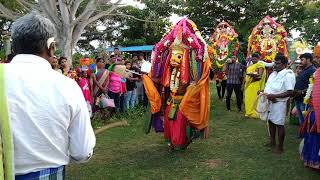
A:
(139, 92)
(277, 112)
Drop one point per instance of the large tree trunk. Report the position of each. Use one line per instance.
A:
(7, 44)
(63, 13)
(65, 43)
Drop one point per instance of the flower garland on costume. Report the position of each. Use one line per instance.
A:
(229, 36)
(232, 46)
(268, 38)
(306, 99)
(187, 34)
(174, 80)
(192, 34)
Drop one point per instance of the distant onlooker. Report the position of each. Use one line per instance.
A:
(49, 120)
(85, 87)
(234, 71)
(63, 62)
(135, 61)
(302, 82)
(141, 95)
(99, 79)
(117, 55)
(55, 64)
(131, 87)
(114, 87)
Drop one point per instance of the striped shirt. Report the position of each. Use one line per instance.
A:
(234, 73)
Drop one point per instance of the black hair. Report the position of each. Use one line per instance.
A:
(30, 34)
(307, 56)
(61, 58)
(98, 59)
(282, 58)
(127, 62)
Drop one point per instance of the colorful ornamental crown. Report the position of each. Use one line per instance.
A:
(268, 38)
(224, 44)
(184, 36)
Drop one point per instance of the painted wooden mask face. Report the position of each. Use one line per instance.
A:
(176, 56)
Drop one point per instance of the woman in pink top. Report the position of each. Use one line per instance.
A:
(114, 88)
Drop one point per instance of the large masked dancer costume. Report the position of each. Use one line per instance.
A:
(223, 45)
(268, 38)
(178, 85)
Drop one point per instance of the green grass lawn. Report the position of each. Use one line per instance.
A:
(234, 150)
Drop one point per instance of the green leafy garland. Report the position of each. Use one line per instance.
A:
(231, 47)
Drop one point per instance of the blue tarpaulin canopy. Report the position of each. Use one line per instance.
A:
(145, 48)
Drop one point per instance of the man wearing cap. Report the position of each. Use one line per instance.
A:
(49, 119)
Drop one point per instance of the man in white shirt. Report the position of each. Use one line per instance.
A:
(143, 66)
(279, 88)
(49, 118)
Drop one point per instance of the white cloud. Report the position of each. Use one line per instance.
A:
(174, 18)
(295, 34)
(95, 43)
(131, 2)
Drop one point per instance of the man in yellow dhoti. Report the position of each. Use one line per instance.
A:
(255, 81)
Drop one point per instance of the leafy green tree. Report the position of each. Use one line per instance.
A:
(71, 18)
(310, 22)
(142, 33)
(123, 31)
(243, 15)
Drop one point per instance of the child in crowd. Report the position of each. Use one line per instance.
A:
(85, 87)
(130, 98)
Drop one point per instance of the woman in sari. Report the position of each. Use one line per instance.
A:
(99, 79)
(255, 81)
(84, 84)
(310, 128)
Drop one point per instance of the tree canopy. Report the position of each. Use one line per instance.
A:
(243, 15)
(127, 25)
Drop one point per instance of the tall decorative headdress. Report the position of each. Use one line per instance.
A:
(183, 36)
(268, 38)
(316, 50)
(223, 45)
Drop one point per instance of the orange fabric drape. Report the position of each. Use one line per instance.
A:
(195, 104)
(152, 94)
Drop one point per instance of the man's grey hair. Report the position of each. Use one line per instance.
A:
(30, 34)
